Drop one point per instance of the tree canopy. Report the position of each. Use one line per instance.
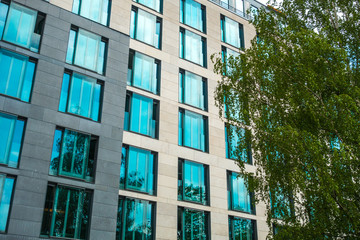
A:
(296, 91)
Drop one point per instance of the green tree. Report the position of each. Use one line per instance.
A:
(296, 89)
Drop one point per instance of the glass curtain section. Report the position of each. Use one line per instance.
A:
(96, 10)
(192, 47)
(16, 75)
(153, 4)
(192, 89)
(193, 225)
(141, 115)
(194, 185)
(11, 134)
(6, 189)
(3, 13)
(144, 73)
(239, 197)
(138, 170)
(80, 96)
(68, 210)
(192, 130)
(230, 32)
(241, 229)
(135, 220)
(235, 137)
(144, 27)
(191, 14)
(19, 27)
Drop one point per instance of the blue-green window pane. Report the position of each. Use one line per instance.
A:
(6, 189)
(19, 27)
(81, 95)
(142, 117)
(192, 47)
(192, 90)
(3, 13)
(193, 224)
(72, 155)
(144, 73)
(135, 220)
(66, 214)
(193, 130)
(71, 47)
(96, 10)
(229, 56)
(11, 134)
(153, 4)
(230, 32)
(138, 170)
(192, 14)
(236, 143)
(281, 204)
(240, 228)
(193, 185)
(239, 196)
(145, 27)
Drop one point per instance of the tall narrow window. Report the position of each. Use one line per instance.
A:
(193, 130)
(237, 143)
(73, 155)
(6, 191)
(66, 213)
(11, 137)
(96, 10)
(193, 224)
(156, 5)
(192, 89)
(232, 32)
(193, 14)
(81, 95)
(229, 57)
(240, 199)
(241, 228)
(145, 27)
(193, 47)
(144, 72)
(17, 74)
(86, 49)
(136, 219)
(138, 170)
(21, 25)
(254, 11)
(141, 115)
(193, 182)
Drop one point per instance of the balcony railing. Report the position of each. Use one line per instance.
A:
(231, 9)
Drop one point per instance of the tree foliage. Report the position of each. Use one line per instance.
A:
(296, 89)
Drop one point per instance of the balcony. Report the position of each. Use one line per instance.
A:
(231, 9)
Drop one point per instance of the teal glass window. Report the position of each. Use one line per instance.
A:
(193, 14)
(236, 6)
(193, 47)
(237, 143)
(229, 57)
(73, 155)
(242, 228)
(11, 138)
(232, 32)
(81, 95)
(66, 212)
(193, 224)
(6, 191)
(146, 27)
(144, 72)
(138, 170)
(141, 115)
(136, 219)
(282, 205)
(193, 130)
(193, 184)
(156, 5)
(239, 197)
(96, 10)
(192, 89)
(21, 25)
(17, 74)
(86, 50)
(254, 11)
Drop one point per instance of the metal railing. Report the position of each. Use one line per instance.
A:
(231, 9)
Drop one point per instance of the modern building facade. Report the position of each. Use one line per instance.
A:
(108, 127)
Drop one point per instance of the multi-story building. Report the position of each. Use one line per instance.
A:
(108, 127)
